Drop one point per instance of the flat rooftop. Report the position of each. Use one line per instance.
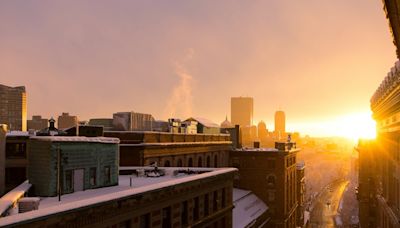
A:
(143, 180)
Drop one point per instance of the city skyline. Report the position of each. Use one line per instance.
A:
(199, 64)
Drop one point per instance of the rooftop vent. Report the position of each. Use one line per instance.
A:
(28, 204)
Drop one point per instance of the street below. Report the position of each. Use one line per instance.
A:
(327, 204)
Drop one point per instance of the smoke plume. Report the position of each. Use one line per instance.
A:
(180, 102)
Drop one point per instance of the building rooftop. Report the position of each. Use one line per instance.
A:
(248, 207)
(144, 180)
(17, 133)
(75, 139)
(257, 149)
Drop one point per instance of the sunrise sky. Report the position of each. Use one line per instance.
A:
(320, 61)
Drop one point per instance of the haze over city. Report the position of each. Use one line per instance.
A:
(320, 61)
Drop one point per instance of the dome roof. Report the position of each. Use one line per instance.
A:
(226, 124)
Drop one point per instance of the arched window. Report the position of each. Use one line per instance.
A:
(200, 162)
(208, 161)
(167, 163)
(179, 163)
(215, 161)
(190, 162)
(271, 180)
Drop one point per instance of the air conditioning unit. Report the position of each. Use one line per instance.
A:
(28, 204)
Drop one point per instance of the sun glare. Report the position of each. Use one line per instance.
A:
(355, 126)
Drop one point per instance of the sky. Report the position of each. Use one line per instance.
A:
(318, 60)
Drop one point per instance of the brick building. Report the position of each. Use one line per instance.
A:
(38, 123)
(169, 149)
(177, 198)
(271, 174)
(16, 160)
(67, 121)
(3, 131)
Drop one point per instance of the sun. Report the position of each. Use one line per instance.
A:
(355, 126)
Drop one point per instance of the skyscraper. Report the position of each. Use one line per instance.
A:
(13, 110)
(242, 111)
(280, 127)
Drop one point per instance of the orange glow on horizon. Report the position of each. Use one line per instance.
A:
(353, 126)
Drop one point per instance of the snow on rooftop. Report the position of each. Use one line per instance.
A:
(9, 199)
(76, 200)
(204, 121)
(75, 139)
(248, 207)
(257, 149)
(17, 133)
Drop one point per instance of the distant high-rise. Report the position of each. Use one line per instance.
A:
(13, 110)
(132, 121)
(38, 123)
(280, 127)
(262, 130)
(67, 121)
(242, 111)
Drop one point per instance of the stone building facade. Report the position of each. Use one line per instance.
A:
(379, 162)
(272, 175)
(175, 150)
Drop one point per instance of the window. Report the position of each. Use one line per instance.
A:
(271, 196)
(206, 205)
(184, 213)
(223, 198)
(190, 162)
(166, 217)
(167, 163)
(93, 175)
(200, 162)
(15, 150)
(215, 161)
(179, 163)
(144, 221)
(271, 181)
(215, 201)
(196, 209)
(68, 180)
(208, 161)
(107, 175)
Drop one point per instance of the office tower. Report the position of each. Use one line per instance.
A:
(13, 110)
(262, 130)
(280, 127)
(67, 121)
(242, 111)
(38, 123)
(132, 121)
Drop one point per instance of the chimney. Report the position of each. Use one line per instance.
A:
(256, 144)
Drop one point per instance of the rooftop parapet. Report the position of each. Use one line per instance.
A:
(387, 86)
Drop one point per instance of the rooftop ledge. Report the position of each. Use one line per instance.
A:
(140, 184)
